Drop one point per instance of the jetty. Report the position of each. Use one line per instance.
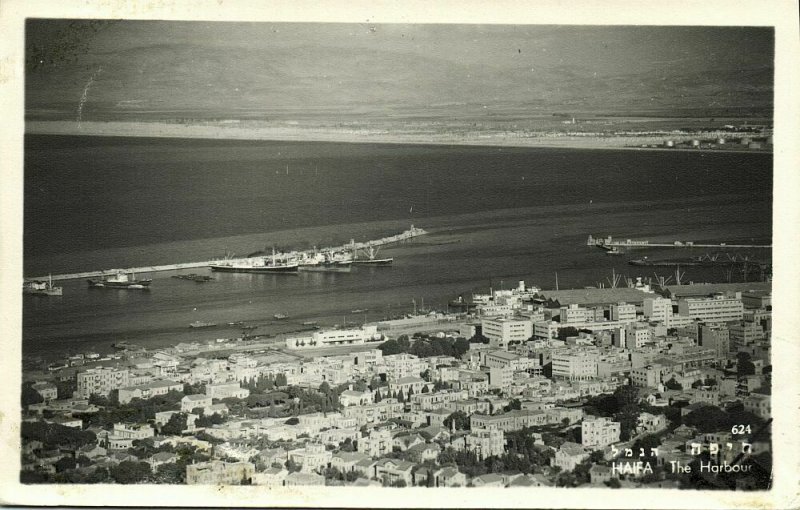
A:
(608, 243)
(352, 245)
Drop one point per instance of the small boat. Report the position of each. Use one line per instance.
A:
(202, 324)
(310, 323)
(39, 288)
(120, 280)
(280, 316)
(359, 310)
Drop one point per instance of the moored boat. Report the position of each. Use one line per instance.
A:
(272, 264)
(120, 280)
(371, 259)
(40, 288)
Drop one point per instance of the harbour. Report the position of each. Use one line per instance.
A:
(218, 265)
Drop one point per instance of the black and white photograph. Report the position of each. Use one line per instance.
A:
(400, 258)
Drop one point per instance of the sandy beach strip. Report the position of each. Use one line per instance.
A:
(366, 135)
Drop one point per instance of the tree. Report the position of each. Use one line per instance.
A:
(30, 396)
(564, 333)
(128, 472)
(707, 419)
(672, 384)
(614, 483)
(175, 426)
(514, 404)
(65, 464)
(425, 389)
(628, 417)
(626, 395)
(292, 421)
(280, 380)
(170, 473)
(460, 418)
(292, 466)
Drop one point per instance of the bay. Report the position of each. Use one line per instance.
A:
(495, 216)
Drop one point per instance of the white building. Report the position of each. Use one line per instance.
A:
(598, 433)
(623, 312)
(719, 308)
(334, 337)
(101, 381)
(574, 314)
(658, 309)
(501, 331)
(575, 364)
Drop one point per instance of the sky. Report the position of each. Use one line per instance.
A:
(81, 68)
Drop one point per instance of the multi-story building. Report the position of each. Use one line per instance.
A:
(598, 433)
(501, 331)
(378, 443)
(758, 404)
(719, 308)
(637, 335)
(504, 359)
(486, 442)
(623, 312)
(501, 377)
(101, 381)
(716, 337)
(508, 422)
(409, 384)
(574, 314)
(429, 401)
(312, 458)
(580, 364)
(384, 410)
(744, 333)
(658, 309)
(217, 472)
(403, 365)
(650, 375)
(333, 337)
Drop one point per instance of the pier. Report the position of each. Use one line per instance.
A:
(352, 245)
(609, 243)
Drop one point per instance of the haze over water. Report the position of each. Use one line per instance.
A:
(496, 215)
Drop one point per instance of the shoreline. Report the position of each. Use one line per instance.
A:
(365, 136)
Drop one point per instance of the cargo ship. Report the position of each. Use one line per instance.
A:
(337, 262)
(372, 259)
(256, 265)
(39, 288)
(120, 280)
